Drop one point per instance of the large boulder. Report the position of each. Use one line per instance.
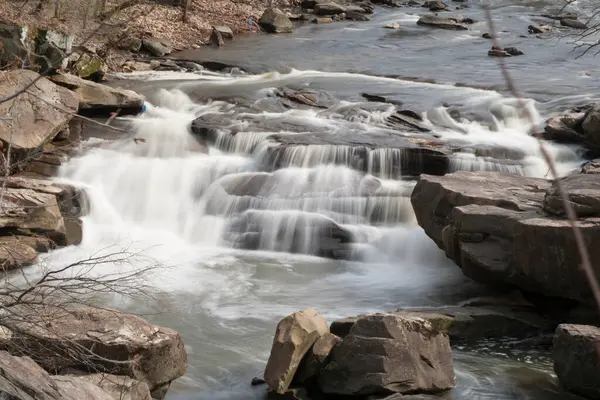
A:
(576, 356)
(294, 337)
(95, 98)
(494, 227)
(386, 353)
(38, 114)
(92, 339)
(157, 47)
(274, 20)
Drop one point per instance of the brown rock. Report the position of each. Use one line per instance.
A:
(157, 355)
(573, 23)
(294, 336)
(493, 226)
(35, 122)
(576, 359)
(389, 353)
(316, 358)
(98, 98)
(76, 389)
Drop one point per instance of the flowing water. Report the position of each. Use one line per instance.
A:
(198, 210)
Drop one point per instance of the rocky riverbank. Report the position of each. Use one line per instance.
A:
(52, 347)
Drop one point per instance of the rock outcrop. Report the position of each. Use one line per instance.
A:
(499, 230)
(38, 114)
(294, 337)
(580, 125)
(576, 356)
(37, 216)
(92, 339)
(386, 353)
(98, 99)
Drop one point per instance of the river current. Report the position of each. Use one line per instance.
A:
(182, 204)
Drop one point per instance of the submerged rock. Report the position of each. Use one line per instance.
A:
(386, 353)
(439, 22)
(576, 356)
(294, 337)
(573, 23)
(494, 227)
(274, 20)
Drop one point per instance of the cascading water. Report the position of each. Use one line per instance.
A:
(305, 181)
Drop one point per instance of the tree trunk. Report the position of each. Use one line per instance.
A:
(186, 7)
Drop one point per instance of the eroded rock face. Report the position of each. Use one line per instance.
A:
(95, 98)
(116, 343)
(38, 122)
(389, 353)
(493, 226)
(294, 337)
(316, 358)
(577, 360)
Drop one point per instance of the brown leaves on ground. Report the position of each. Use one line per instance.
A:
(158, 18)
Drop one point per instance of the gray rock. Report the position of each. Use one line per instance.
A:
(157, 47)
(316, 358)
(389, 353)
(225, 31)
(274, 20)
(329, 8)
(216, 39)
(439, 22)
(577, 360)
(435, 5)
(573, 23)
(584, 194)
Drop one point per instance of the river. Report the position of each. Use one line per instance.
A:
(164, 197)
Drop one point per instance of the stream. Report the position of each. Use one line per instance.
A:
(237, 224)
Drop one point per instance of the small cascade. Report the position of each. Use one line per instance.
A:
(332, 182)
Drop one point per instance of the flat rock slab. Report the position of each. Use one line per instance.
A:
(576, 356)
(95, 98)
